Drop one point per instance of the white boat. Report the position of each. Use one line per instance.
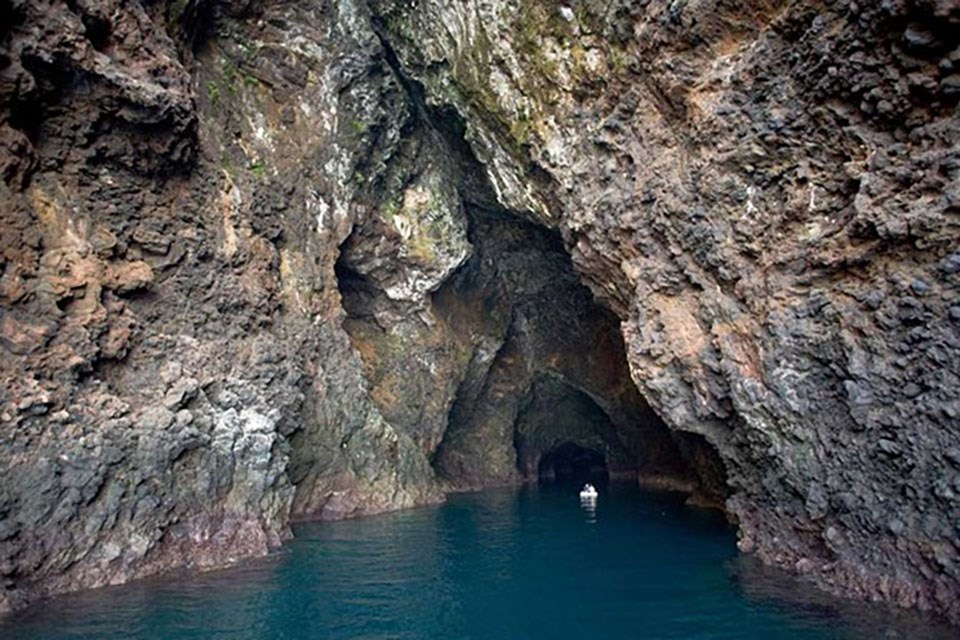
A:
(588, 492)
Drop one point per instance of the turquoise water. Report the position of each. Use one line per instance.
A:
(497, 564)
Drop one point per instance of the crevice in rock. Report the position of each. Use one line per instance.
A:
(710, 488)
(97, 31)
(194, 23)
(356, 291)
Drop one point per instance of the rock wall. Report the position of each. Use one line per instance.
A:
(266, 260)
(765, 193)
(176, 378)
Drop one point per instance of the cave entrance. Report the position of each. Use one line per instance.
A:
(572, 464)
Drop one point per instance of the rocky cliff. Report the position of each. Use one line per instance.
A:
(267, 260)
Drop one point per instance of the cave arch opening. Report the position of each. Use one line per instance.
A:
(572, 464)
(508, 369)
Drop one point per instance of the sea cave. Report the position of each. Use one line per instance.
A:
(357, 295)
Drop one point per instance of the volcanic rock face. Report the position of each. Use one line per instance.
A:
(176, 182)
(313, 259)
(766, 194)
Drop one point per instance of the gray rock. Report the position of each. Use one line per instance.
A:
(916, 35)
(950, 85)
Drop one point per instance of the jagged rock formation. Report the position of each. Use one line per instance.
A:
(766, 194)
(264, 260)
(175, 189)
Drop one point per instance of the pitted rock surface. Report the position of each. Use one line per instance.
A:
(764, 193)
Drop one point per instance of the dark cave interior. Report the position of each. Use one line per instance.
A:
(571, 464)
(534, 371)
(518, 372)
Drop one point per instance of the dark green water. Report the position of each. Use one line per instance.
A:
(497, 564)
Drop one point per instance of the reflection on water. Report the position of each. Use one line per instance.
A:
(497, 564)
(760, 583)
(589, 506)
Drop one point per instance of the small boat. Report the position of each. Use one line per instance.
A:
(588, 492)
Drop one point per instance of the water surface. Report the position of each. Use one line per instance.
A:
(532, 563)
